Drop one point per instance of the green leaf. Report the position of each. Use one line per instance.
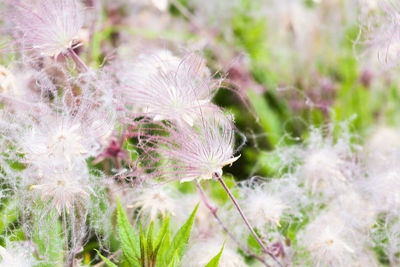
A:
(215, 261)
(8, 215)
(150, 240)
(180, 240)
(49, 238)
(162, 232)
(142, 247)
(269, 119)
(175, 260)
(164, 246)
(127, 236)
(107, 261)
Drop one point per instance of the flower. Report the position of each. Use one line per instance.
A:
(163, 87)
(383, 31)
(154, 201)
(323, 168)
(265, 203)
(384, 188)
(48, 26)
(193, 153)
(329, 241)
(17, 254)
(382, 149)
(62, 185)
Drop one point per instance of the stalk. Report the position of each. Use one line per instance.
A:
(213, 211)
(265, 249)
(78, 61)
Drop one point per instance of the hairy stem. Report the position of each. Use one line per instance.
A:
(265, 249)
(78, 61)
(213, 211)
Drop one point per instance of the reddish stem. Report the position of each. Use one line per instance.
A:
(265, 249)
(78, 61)
(213, 211)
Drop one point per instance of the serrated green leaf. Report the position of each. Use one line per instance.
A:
(163, 230)
(180, 240)
(175, 260)
(215, 261)
(49, 238)
(107, 261)
(129, 240)
(164, 245)
(150, 240)
(8, 215)
(142, 247)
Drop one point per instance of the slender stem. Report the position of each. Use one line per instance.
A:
(108, 258)
(213, 211)
(186, 13)
(78, 61)
(265, 249)
(69, 262)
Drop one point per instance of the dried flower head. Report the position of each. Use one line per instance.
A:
(62, 186)
(17, 254)
(48, 26)
(382, 149)
(329, 241)
(384, 189)
(153, 202)
(265, 203)
(382, 30)
(192, 153)
(164, 88)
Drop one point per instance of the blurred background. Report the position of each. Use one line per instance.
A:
(288, 65)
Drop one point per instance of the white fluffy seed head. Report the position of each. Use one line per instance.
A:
(154, 201)
(323, 170)
(384, 189)
(265, 203)
(329, 242)
(62, 186)
(382, 149)
(17, 254)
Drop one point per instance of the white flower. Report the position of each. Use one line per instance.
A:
(62, 185)
(17, 255)
(329, 242)
(322, 170)
(384, 189)
(264, 203)
(382, 149)
(155, 201)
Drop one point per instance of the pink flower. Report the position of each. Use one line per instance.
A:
(49, 26)
(191, 153)
(162, 87)
(383, 32)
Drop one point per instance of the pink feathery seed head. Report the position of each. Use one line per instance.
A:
(192, 153)
(383, 33)
(49, 26)
(163, 87)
